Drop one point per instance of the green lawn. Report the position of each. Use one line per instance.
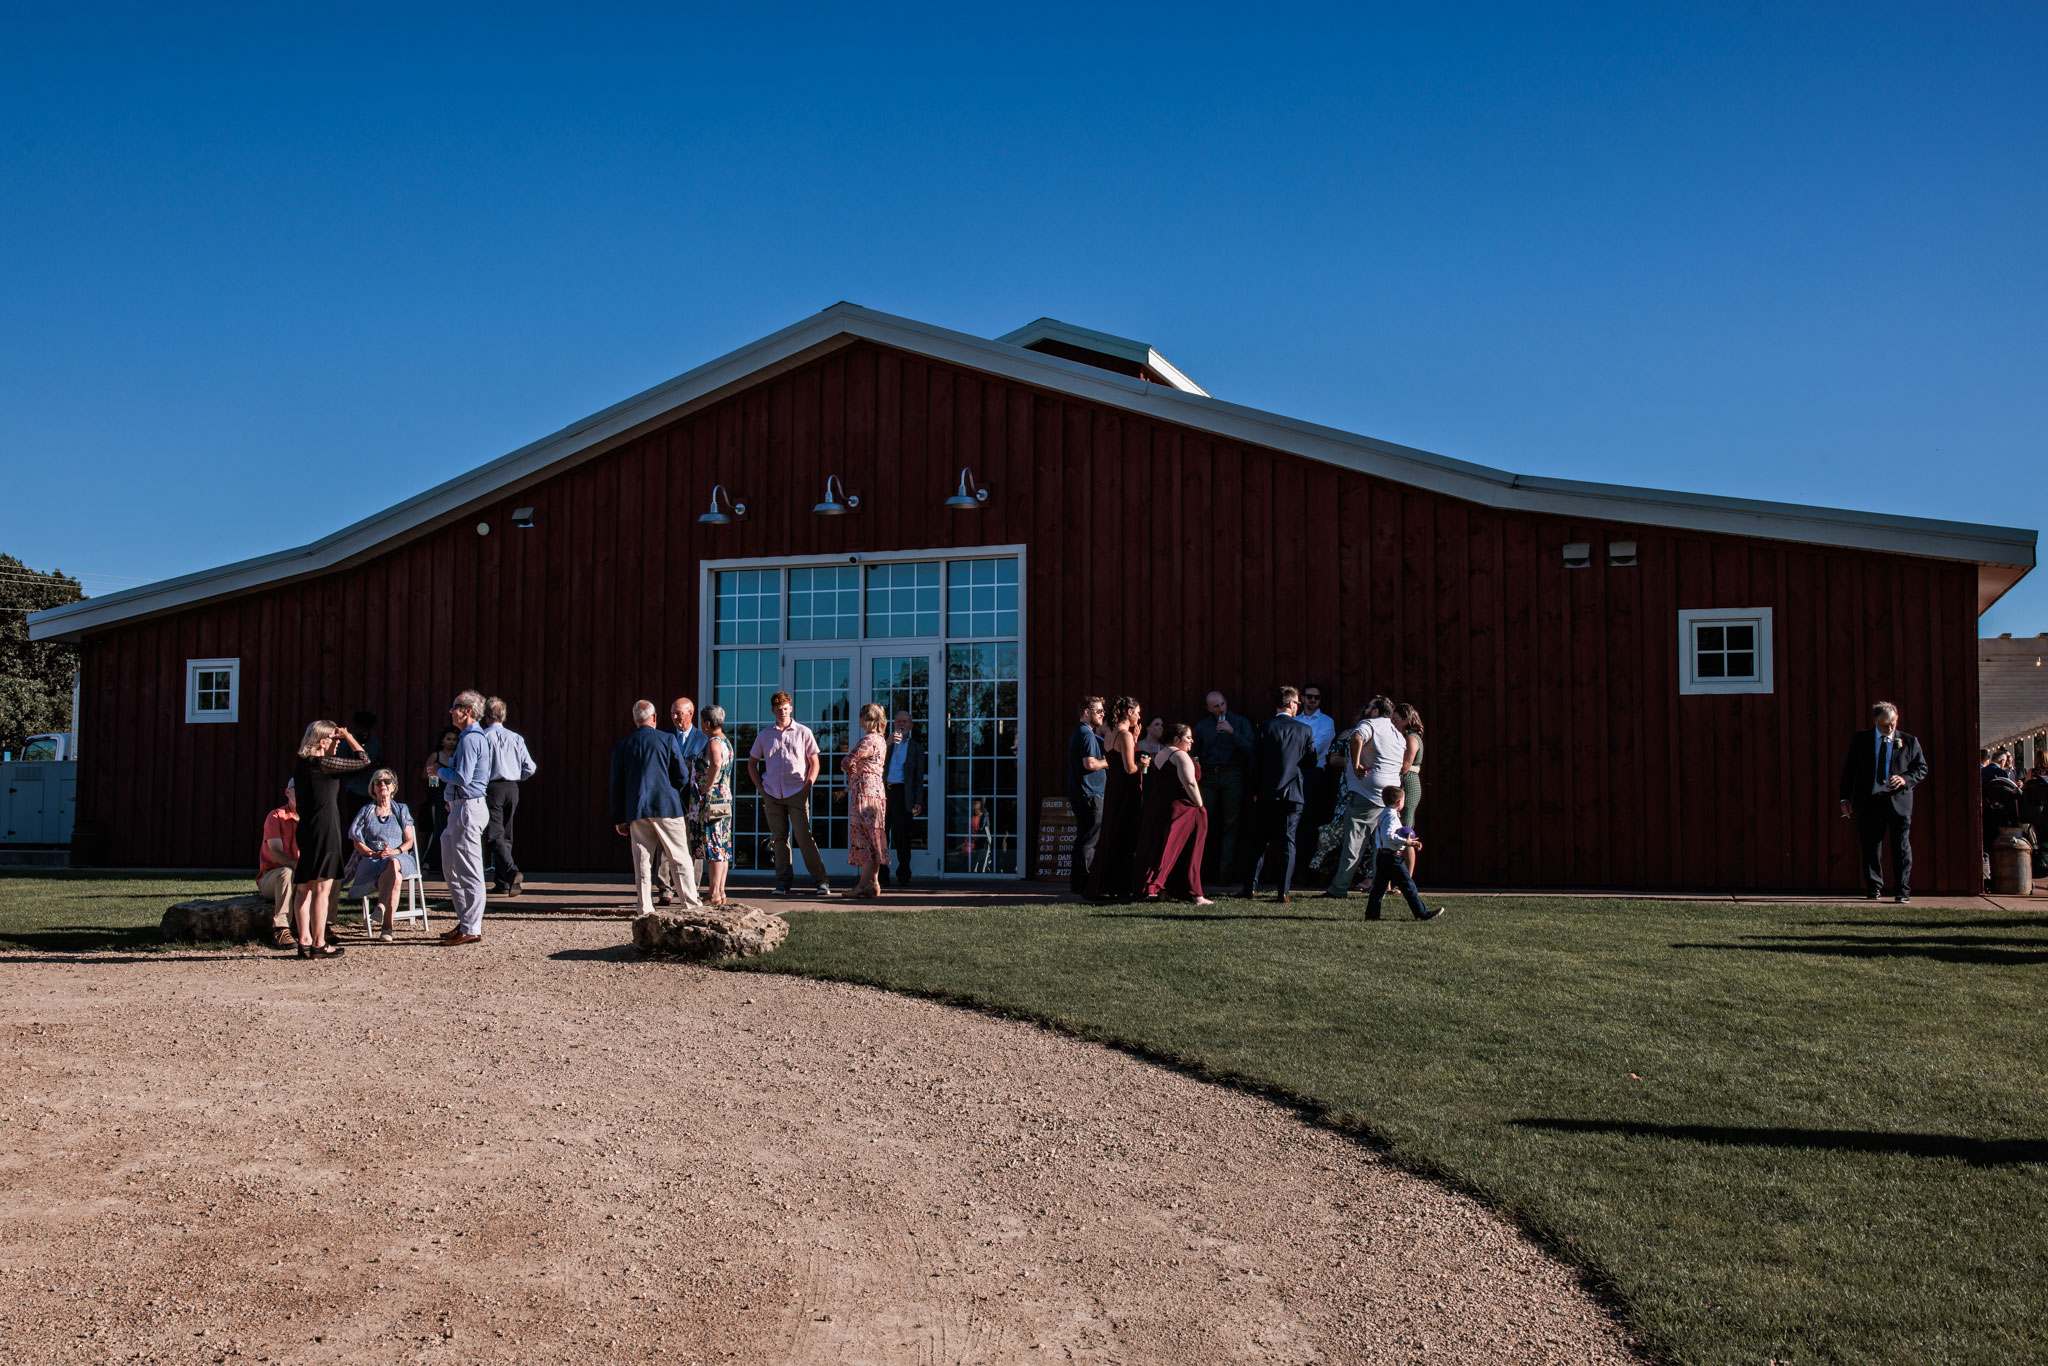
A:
(1802, 1133)
(78, 911)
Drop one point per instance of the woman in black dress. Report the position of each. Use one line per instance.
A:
(316, 778)
(1116, 852)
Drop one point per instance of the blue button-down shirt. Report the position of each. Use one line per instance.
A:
(470, 774)
(509, 757)
(1881, 763)
(689, 744)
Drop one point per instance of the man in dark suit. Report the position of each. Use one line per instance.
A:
(1878, 777)
(1283, 749)
(647, 787)
(905, 776)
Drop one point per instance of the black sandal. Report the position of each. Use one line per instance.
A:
(326, 951)
(305, 950)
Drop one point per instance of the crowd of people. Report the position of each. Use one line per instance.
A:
(1160, 805)
(342, 830)
(672, 795)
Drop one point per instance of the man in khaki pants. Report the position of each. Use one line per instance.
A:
(276, 862)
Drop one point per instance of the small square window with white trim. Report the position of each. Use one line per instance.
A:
(1724, 650)
(213, 689)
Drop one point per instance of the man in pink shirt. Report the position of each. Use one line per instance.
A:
(277, 861)
(783, 765)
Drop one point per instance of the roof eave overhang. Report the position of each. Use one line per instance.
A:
(2003, 554)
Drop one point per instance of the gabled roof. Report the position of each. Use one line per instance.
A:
(2002, 554)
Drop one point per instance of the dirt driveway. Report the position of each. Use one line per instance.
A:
(540, 1149)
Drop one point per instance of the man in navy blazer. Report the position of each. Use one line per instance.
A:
(647, 807)
(1283, 749)
(1883, 767)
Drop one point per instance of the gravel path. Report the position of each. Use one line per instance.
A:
(542, 1149)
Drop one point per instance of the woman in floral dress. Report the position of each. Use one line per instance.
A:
(867, 802)
(714, 801)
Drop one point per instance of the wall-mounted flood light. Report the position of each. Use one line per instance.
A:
(964, 500)
(834, 507)
(714, 517)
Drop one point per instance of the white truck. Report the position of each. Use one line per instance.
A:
(50, 747)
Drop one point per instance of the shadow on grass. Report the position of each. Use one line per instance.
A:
(86, 939)
(1980, 1152)
(1206, 915)
(1837, 946)
(2012, 922)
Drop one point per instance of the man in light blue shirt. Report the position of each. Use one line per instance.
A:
(511, 765)
(467, 783)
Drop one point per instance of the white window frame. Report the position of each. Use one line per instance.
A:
(1692, 618)
(707, 647)
(193, 668)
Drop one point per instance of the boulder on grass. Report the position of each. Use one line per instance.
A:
(232, 918)
(705, 934)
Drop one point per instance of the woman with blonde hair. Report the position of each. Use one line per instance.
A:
(384, 839)
(317, 780)
(867, 802)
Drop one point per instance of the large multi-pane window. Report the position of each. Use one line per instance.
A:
(981, 758)
(749, 606)
(903, 600)
(838, 635)
(742, 682)
(981, 598)
(824, 604)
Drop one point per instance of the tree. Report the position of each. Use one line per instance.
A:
(35, 679)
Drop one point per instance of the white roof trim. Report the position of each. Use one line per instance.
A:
(1088, 339)
(2004, 553)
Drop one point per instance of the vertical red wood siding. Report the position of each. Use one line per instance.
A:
(1162, 562)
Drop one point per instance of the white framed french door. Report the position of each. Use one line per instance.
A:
(828, 685)
(936, 633)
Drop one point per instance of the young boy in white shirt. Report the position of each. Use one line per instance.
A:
(1390, 841)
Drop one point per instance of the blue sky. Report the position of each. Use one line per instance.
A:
(269, 272)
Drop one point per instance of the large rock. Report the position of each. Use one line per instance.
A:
(706, 933)
(233, 918)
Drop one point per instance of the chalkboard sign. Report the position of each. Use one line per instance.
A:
(1054, 852)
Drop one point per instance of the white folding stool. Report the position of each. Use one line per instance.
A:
(412, 905)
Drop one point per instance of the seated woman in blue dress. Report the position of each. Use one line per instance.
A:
(384, 840)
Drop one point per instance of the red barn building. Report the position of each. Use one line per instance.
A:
(1625, 688)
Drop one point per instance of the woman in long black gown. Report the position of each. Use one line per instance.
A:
(322, 850)
(1116, 852)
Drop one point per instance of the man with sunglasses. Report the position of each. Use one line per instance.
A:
(1322, 775)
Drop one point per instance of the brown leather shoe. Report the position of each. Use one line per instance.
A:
(461, 939)
(449, 936)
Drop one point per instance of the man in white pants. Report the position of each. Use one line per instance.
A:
(647, 785)
(466, 781)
